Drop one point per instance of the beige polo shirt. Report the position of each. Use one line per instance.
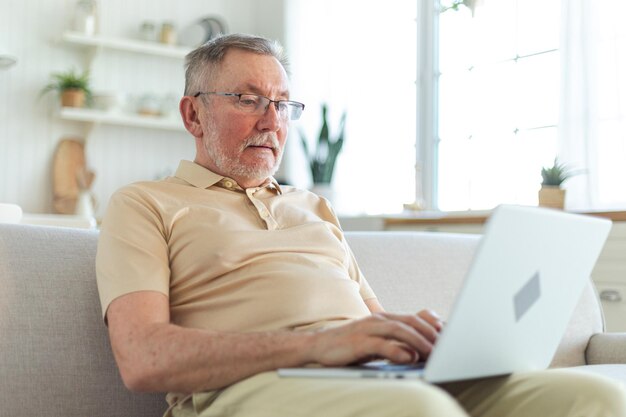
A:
(230, 259)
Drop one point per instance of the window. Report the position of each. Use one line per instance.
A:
(518, 83)
(498, 102)
(360, 57)
(472, 105)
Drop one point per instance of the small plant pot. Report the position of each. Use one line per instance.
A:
(73, 97)
(552, 196)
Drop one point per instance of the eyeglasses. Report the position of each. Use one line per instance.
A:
(255, 104)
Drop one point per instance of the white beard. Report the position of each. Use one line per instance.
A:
(231, 165)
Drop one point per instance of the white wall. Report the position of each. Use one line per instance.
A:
(29, 128)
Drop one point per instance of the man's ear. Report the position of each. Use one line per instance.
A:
(189, 114)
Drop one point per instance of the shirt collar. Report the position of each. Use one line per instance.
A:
(201, 177)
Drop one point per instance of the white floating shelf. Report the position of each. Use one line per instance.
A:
(130, 45)
(121, 119)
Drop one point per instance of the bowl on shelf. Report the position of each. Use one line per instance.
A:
(104, 101)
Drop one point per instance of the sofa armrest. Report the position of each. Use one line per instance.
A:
(606, 348)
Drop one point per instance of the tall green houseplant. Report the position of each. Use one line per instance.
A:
(322, 160)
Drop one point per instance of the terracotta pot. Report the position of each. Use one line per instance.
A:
(552, 196)
(73, 97)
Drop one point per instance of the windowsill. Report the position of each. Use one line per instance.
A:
(431, 217)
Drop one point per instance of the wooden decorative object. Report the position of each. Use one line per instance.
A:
(70, 175)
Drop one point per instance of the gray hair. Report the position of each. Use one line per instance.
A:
(201, 63)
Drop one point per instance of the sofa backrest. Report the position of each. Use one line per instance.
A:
(414, 270)
(55, 357)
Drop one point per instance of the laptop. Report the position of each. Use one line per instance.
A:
(527, 275)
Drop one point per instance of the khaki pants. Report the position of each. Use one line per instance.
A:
(552, 393)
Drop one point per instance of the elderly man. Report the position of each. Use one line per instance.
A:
(212, 279)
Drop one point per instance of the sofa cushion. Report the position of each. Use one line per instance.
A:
(55, 356)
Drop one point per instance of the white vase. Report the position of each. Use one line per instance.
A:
(84, 204)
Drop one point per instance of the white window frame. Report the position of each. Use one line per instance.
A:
(427, 104)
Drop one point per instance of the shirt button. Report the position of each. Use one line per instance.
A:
(264, 214)
(228, 184)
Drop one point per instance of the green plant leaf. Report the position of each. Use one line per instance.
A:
(556, 174)
(70, 79)
(323, 159)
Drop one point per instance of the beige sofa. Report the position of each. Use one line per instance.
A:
(55, 359)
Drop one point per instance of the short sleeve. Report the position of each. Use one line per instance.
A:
(132, 247)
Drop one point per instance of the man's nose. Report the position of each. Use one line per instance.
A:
(271, 120)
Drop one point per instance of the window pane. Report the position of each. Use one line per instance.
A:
(456, 110)
(485, 171)
(456, 40)
(495, 31)
(493, 98)
(537, 90)
(538, 23)
(455, 181)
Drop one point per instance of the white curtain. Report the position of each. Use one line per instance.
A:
(592, 133)
(578, 103)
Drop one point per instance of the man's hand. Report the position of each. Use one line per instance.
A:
(398, 338)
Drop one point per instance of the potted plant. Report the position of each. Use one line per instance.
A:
(322, 160)
(551, 193)
(73, 87)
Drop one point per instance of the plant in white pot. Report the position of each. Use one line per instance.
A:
(551, 193)
(73, 87)
(323, 158)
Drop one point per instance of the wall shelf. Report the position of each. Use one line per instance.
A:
(121, 119)
(129, 45)
(93, 45)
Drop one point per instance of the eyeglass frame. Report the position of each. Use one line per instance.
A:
(295, 104)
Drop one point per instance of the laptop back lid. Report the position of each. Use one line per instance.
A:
(520, 291)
